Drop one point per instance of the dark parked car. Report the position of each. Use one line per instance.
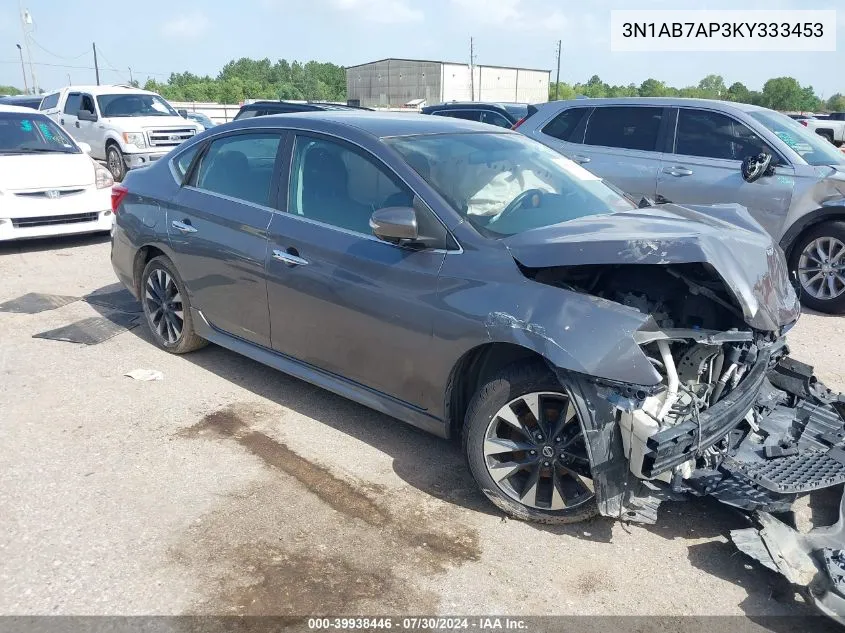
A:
(499, 114)
(263, 108)
(23, 101)
(590, 354)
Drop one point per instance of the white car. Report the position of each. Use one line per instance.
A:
(49, 185)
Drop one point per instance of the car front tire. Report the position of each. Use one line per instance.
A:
(818, 259)
(116, 163)
(524, 443)
(167, 308)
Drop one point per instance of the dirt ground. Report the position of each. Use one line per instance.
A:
(230, 488)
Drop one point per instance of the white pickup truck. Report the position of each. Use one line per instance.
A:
(126, 127)
(831, 127)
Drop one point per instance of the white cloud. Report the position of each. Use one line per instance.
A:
(186, 25)
(381, 11)
(513, 14)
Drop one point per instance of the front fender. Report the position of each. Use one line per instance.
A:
(833, 209)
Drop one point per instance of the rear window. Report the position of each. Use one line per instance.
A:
(516, 110)
(565, 125)
(50, 101)
(625, 127)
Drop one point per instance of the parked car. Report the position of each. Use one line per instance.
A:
(499, 114)
(263, 108)
(831, 127)
(22, 101)
(48, 183)
(126, 127)
(198, 117)
(692, 151)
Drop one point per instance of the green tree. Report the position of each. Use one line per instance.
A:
(783, 93)
(836, 103)
(652, 88)
(739, 93)
(712, 87)
(10, 90)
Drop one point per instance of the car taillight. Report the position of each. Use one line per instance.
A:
(518, 123)
(118, 193)
(803, 122)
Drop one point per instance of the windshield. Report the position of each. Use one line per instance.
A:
(506, 183)
(134, 105)
(810, 146)
(31, 134)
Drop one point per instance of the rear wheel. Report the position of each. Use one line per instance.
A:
(168, 308)
(524, 443)
(818, 258)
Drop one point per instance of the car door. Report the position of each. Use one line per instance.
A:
(67, 117)
(703, 167)
(341, 299)
(217, 227)
(621, 145)
(86, 131)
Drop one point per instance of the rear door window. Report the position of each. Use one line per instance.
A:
(625, 127)
(494, 118)
(566, 125)
(467, 115)
(239, 166)
(50, 102)
(74, 100)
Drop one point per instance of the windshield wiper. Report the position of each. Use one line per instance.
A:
(44, 150)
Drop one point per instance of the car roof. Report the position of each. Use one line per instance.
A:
(297, 104)
(662, 101)
(107, 90)
(378, 124)
(469, 104)
(12, 99)
(17, 109)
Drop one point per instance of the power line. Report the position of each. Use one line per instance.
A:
(143, 72)
(32, 39)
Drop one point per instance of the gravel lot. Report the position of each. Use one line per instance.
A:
(231, 488)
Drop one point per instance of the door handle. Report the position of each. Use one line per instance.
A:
(677, 171)
(578, 158)
(185, 227)
(76, 123)
(291, 259)
(61, 121)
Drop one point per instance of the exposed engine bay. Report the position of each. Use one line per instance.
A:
(733, 417)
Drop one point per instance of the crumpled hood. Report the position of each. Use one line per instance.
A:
(725, 236)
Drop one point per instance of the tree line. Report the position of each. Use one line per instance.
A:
(779, 93)
(321, 81)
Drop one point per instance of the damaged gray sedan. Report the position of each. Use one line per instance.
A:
(594, 357)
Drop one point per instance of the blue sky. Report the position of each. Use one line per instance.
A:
(156, 37)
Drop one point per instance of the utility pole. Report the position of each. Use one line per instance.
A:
(23, 70)
(471, 71)
(131, 80)
(557, 81)
(26, 18)
(69, 82)
(96, 66)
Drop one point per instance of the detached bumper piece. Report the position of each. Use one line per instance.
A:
(814, 561)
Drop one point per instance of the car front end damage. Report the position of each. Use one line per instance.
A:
(725, 412)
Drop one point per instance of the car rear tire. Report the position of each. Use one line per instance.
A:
(524, 443)
(115, 162)
(167, 308)
(818, 259)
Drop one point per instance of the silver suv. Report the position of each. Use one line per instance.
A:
(696, 151)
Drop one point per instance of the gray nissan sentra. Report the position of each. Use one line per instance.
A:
(592, 356)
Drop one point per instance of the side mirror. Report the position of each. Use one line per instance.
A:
(86, 115)
(183, 113)
(395, 224)
(755, 167)
(84, 147)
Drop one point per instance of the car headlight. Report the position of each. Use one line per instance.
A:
(135, 138)
(102, 176)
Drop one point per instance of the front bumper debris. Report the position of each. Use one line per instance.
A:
(814, 561)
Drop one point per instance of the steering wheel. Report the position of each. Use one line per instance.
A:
(532, 196)
(754, 167)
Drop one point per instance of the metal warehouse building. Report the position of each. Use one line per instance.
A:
(395, 82)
